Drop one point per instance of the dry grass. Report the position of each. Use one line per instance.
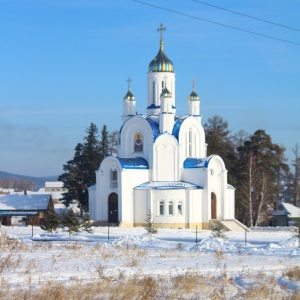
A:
(40, 277)
(293, 273)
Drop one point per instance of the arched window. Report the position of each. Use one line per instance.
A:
(113, 179)
(190, 143)
(161, 208)
(179, 208)
(170, 208)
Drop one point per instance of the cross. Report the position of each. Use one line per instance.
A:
(193, 81)
(129, 80)
(161, 29)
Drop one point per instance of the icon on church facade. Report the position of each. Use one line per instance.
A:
(138, 142)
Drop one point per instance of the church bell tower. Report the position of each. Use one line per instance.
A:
(160, 75)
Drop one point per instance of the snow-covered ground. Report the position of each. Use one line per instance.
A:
(229, 268)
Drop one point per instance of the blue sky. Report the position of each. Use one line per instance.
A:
(64, 64)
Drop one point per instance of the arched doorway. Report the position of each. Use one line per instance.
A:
(113, 208)
(213, 206)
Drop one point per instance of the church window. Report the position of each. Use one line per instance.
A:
(153, 92)
(113, 179)
(161, 207)
(170, 208)
(179, 207)
(190, 143)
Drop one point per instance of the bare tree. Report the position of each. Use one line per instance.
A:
(296, 184)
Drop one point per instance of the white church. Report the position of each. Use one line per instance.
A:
(162, 168)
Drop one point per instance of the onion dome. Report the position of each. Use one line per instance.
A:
(129, 96)
(161, 63)
(193, 96)
(166, 93)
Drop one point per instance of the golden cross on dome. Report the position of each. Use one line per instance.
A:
(193, 81)
(161, 29)
(129, 80)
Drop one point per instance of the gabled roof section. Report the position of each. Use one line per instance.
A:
(167, 185)
(191, 163)
(24, 202)
(155, 128)
(153, 125)
(293, 210)
(177, 126)
(133, 163)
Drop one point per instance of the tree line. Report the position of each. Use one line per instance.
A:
(80, 172)
(257, 168)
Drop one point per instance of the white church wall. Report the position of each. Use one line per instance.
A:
(156, 82)
(172, 214)
(165, 159)
(133, 127)
(141, 206)
(194, 213)
(92, 200)
(130, 178)
(191, 139)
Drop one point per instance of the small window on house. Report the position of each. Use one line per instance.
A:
(170, 208)
(179, 207)
(161, 208)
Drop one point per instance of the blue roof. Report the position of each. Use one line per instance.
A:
(190, 163)
(133, 163)
(155, 128)
(177, 126)
(153, 125)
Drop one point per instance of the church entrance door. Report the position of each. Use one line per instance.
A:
(113, 215)
(213, 206)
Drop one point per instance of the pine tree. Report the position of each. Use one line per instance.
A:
(71, 222)
(86, 224)
(51, 222)
(150, 224)
(80, 172)
(261, 167)
(217, 230)
(220, 142)
(104, 143)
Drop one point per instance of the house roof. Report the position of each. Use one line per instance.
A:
(293, 210)
(24, 202)
(54, 184)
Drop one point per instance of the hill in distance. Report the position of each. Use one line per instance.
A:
(38, 182)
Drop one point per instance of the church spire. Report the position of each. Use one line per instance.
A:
(129, 102)
(194, 101)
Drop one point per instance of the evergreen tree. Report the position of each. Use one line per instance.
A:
(150, 224)
(86, 224)
(71, 222)
(220, 142)
(218, 230)
(51, 222)
(104, 143)
(260, 169)
(73, 177)
(80, 172)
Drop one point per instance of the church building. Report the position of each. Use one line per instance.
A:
(161, 168)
